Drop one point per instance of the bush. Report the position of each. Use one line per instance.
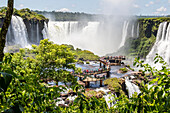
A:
(80, 62)
(114, 85)
(123, 70)
(87, 62)
(154, 99)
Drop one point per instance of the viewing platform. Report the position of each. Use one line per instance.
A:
(93, 76)
(111, 61)
(88, 73)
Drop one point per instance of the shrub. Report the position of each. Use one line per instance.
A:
(87, 62)
(123, 70)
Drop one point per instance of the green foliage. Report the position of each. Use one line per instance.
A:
(83, 54)
(80, 62)
(84, 105)
(140, 47)
(22, 78)
(114, 85)
(154, 99)
(22, 86)
(50, 56)
(28, 14)
(69, 16)
(87, 62)
(147, 35)
(128, 66)
(123, 70)
(24, 13)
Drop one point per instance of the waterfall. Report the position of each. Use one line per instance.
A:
(99, 37)
(32, 32)
(138, 31)
(61, 29)
(124, 33)
(20, 34)
(133, 30)
(108, 98)
(130, 30)
(131, 87)
(162, 45)
(45, 31)
(38, 37)
(85, 37)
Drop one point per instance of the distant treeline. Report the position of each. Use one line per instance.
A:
(70, 16)
(77, 16)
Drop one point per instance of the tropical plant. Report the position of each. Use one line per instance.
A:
(22, 87)
(154, 99)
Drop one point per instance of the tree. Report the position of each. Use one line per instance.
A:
(53, 61)
(151, 100)
(25, 91)
(5, 26)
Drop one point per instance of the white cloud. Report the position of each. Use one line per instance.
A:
(168, 1)
(135, 5)
(117, 7)
(21, 5)
(149, 4)
(161, 9)
(63, 10)
(73, 5)
(156, 12)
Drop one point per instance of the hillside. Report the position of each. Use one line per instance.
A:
(140, 47)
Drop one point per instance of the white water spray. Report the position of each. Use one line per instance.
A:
(124, 33)
(131, 87)
(19, 31)
(45, 31)
(162, 45)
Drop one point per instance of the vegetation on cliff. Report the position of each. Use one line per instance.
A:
(83, 55)
(24, 13)
(69, 16)
(114, 84)
(141, 46)
(123, 70)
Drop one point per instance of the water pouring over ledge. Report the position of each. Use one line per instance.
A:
(17, 33)
(161, 46)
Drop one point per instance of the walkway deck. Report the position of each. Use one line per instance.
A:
(112, 61)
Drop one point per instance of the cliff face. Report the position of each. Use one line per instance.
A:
(34, 23)
(34, 29)
(140, 47)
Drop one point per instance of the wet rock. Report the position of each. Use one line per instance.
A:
(72, 93)
(137, 82)
(134, 79)
(64, 95)
(70, 102)
(99, 95)
(125, 76)
(142, 78)
(63, 105)
(67, 101)
(64, 98)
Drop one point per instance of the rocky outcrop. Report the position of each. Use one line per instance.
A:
(34, 29)
(141, 46)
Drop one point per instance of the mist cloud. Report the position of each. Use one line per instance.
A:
(117, 7)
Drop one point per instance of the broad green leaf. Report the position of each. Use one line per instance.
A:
(5, 81)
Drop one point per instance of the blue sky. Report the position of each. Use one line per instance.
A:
(144, 7)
